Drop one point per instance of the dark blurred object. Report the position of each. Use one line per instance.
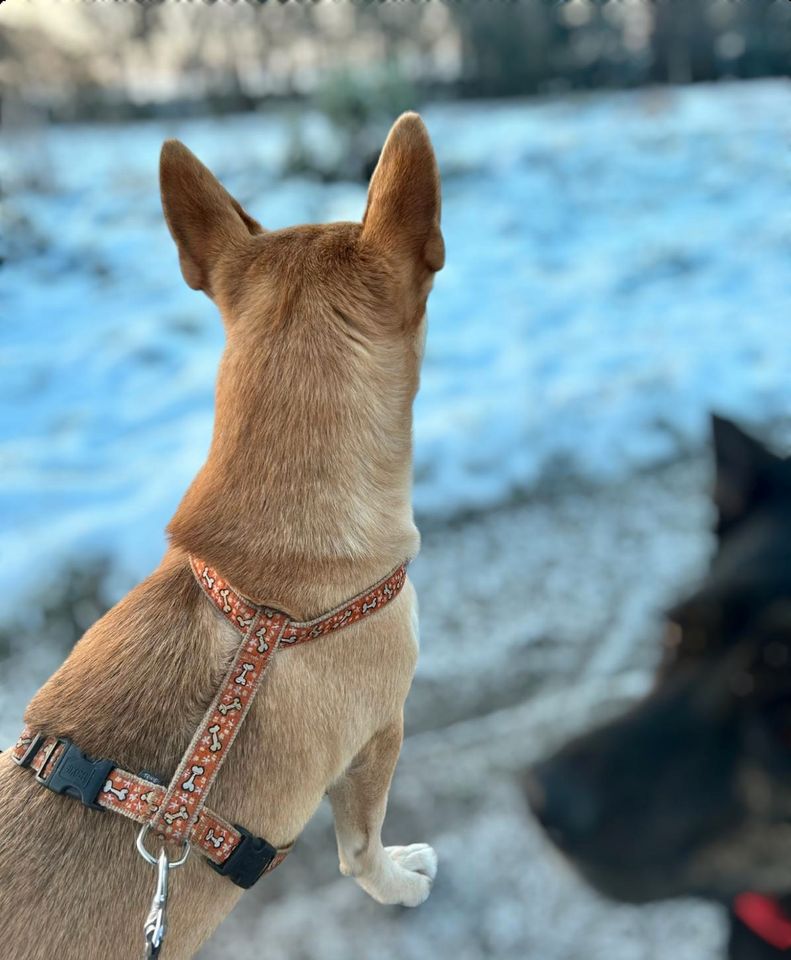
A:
(688, 793)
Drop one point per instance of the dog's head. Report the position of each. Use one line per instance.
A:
(316, 296)
(325, 327)
(365, 283)
(690, 791)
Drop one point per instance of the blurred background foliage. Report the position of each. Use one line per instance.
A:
(121, 60)
(117, 60)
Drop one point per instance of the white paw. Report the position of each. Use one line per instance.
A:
(418, 857)
(416, 867)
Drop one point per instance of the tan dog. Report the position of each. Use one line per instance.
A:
(303, 502)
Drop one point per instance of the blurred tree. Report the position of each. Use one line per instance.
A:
(683, 43)
(756, 39)
(507, 47)
(522, 48)
(698, 40)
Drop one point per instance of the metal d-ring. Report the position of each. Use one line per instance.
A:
(156, 922)
(150, 858)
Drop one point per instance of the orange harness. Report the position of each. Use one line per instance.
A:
(177, 813)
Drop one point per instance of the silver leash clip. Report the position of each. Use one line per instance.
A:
(156, 921)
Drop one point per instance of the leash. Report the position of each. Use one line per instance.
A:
(177, 813)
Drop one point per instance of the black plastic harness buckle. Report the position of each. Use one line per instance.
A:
(74, 773)
(250, 858)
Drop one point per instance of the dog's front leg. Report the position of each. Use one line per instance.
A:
(359, 799)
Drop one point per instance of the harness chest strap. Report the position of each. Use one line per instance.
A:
(58, 764)
(177, 813)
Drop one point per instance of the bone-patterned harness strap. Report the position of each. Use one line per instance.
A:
(177, 812)
(132, 796)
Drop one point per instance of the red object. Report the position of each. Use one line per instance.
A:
(765, 917)
(177, 812)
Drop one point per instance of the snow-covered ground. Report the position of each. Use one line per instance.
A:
(617, 265)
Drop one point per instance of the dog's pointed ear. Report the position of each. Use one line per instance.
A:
(403, 210)
(746, 472)
(203, 218)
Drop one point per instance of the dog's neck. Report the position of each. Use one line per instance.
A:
(306, 493)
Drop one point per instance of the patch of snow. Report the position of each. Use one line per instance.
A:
(617, 266)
